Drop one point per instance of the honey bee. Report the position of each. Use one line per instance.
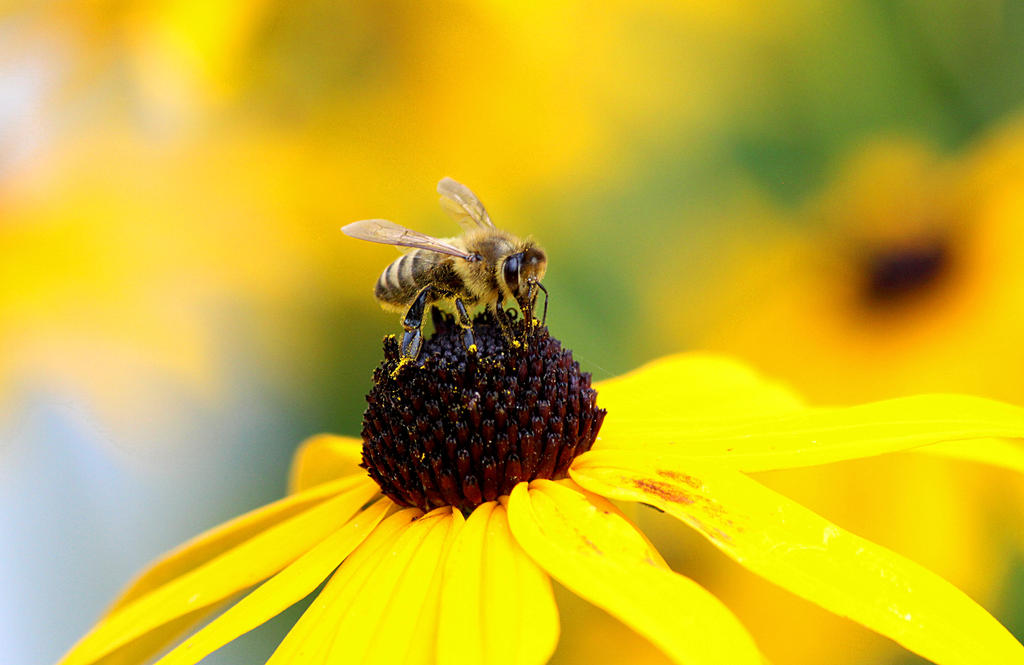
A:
(484, 265)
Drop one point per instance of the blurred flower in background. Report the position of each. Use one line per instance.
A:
(178, 308)
(904, 273)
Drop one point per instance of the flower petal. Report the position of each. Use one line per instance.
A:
(804, 553)
(283, 590)
(387, 612)
(823, 435)
(144, 648)
(310, 640)
(394, 618)
(584, 543)
(214, 542)
(996, 452)
(324, 458)
(240, 567)
(689, 388)
(497, 607)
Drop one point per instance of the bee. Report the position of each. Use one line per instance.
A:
(484, 265)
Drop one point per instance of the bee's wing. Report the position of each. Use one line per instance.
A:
(463, 205)
(389, 233)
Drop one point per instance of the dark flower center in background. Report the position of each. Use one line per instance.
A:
(893, 274)
(458, 428)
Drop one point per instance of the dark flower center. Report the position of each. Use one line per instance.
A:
(893, 274)
(457, 428)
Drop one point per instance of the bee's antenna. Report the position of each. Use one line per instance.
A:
(544, 317)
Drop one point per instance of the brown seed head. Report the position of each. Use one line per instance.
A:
(458, 428)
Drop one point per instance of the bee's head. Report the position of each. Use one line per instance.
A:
(522, 272)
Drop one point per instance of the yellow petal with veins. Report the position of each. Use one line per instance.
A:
(393, 617)
(200, 550)
(584, 543)
(823, 435)
(219, 539)
(384, 610)
(406, 630)
(230, 572)
(497, 607)
(419, 604)
(310, 640)
(791, 546)
(144, 648)
(280, 592)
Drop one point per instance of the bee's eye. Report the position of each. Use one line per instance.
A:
(510, 272)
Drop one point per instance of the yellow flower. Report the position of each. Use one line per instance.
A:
(433, 583)
(904, 277)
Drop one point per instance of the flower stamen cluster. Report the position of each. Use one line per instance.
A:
(459, 427)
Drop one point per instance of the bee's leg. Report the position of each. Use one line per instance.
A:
(412, 340)
(506, 326)
(467, 325)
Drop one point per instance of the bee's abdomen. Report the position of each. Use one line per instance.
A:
(404, 277)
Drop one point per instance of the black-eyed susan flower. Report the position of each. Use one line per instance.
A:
(903, 277)
(487, 477)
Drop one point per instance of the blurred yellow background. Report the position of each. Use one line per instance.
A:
(834, 193)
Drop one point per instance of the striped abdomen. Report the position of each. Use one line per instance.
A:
(406, 275)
